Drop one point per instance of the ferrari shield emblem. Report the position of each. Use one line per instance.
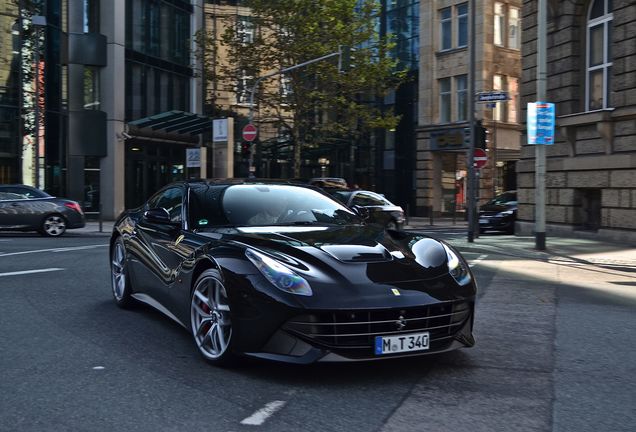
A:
(395, 291)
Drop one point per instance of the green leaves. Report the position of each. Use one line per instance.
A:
(325, 102)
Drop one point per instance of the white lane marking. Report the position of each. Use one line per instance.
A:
(54, 250)
(31, 271)
(259, 417)
(98, 368)
(476, 261)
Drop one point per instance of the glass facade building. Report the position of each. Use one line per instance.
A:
(158, 73)
(10, 92)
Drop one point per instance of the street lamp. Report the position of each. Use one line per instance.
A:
(39, 22)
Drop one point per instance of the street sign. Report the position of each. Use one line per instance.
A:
(480, 157)
(249, 132)
(193, 158)
(541, 120)
(219, 130)
(493, 96)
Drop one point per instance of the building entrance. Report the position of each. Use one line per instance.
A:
(150, 166)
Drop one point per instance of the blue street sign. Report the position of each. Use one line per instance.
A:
(541, 121)
(493, 96)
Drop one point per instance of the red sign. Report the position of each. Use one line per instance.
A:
(480, 158)
(249, 132)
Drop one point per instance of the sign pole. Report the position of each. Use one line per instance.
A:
(471, 125)
(539, 175)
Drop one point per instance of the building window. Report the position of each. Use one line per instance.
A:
(456, 33)
(514, 33)
(445, 100)
(462, 25)
(461, 89)
(91, 88)
(513, 92)
(599, 55)
(243, 88)
(91, 16)
(446, 28)
(498, 85)
(246, 29)
(285, 88)
(499, 24)
(507, 35)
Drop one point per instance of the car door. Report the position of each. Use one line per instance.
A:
(158, 264)
(11, 210)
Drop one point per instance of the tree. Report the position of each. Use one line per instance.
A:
(317, 103)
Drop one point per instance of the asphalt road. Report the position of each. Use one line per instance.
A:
(70, 360)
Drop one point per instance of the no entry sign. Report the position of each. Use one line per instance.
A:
(249, 132)
(480, 158)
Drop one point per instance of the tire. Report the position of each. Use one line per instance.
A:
(53, 225)
(211, 319)
(120, 279)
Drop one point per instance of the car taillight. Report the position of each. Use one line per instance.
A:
(74, 206)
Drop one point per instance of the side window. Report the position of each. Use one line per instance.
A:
(172, 200)
(8, 196)
(18, 193)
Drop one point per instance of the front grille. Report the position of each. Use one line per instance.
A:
(358, 328)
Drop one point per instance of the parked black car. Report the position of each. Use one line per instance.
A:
(25, 208)
(499, 214)
(284, 272)
(380, 209)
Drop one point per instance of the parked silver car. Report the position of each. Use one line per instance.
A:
(25, 208)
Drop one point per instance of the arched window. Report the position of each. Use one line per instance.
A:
(599, 55)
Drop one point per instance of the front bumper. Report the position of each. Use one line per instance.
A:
(495, 223)
(350, 337)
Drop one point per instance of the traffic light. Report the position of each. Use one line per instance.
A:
(481, 136)
(245, 150)
(344, 61)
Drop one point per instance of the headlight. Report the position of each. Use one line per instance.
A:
(505, 213)
(456, 267)
(279, 275)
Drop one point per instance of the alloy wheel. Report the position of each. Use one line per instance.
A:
(118, 270)
(210, 318)
(54, 226)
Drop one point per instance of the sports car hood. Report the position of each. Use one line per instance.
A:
(369, 250)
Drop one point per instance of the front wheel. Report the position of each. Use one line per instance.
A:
(211, 319)
(120, 281)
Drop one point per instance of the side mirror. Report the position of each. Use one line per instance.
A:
(363, 212)
(158, 215)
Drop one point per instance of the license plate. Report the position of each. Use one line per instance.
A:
(401, 343)
(483, 221)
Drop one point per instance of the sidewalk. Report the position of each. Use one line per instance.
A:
(415, 222)
(92, 229)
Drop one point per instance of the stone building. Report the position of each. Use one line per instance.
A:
(443, 100)
(591, 168)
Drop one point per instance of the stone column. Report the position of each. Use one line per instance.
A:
(112, 88)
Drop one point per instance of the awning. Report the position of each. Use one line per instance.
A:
(175, 122)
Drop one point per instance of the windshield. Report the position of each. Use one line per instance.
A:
(266, 205)
(507, 198)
